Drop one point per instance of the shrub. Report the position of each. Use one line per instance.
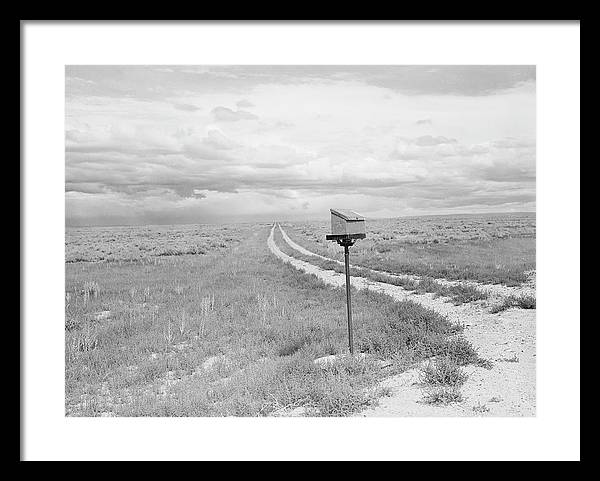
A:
(336, 396)
(458, 350)
(526, 302)
(462, 294)
(442, 396)
(443, 372)
(291, 345)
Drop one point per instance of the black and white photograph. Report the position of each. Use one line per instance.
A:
(307, 240)
(214, 216)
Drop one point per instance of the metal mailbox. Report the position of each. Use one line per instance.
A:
(346, 227)
(346, 223)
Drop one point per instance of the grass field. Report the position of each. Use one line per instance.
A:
(458, 294)
(229, 331)
(497, 248)
(132, 243)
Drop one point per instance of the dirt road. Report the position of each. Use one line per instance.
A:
(506, 338)
(494, 290)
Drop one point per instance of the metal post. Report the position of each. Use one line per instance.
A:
(348, 300)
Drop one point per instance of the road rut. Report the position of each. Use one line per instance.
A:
(506, 338)
(494, 290)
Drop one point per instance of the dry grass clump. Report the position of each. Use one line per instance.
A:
(443, 372)
(442, 378)
(521, 302)
(91, 290)
(442, 396)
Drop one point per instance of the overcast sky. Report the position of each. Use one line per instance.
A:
(179, 144)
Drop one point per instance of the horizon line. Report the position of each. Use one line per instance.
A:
(73, 226)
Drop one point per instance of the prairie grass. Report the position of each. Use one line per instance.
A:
(458, 294)
(229, 333)
(147, 244)
(488, 248)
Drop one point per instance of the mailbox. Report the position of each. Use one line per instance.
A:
(346, 227)
(347, 223)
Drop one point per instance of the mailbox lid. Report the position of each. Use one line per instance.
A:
(347, 215)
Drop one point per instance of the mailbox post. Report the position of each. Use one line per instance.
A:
(346, 227)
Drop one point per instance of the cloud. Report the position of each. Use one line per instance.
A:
(427, 168)
(227, 115)
(150, 83)
(244, 104)
(203, 150)
(186, 107)
(276, 168)
(428, 140)
(512, 143)
(470, 150)
(210, 147)
(85, 187)
(218, 140)
(471, 80)
(426, 147)
(135, 145)
(498, 172)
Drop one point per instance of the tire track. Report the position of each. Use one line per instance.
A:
(507, 339)
(494, 290)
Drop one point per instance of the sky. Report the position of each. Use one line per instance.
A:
(204, 144)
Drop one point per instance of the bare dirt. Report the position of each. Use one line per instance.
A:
(507, 339)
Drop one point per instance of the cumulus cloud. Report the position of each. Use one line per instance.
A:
(424, 122)
(246, 104)
(208, 147)
(224, 114)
